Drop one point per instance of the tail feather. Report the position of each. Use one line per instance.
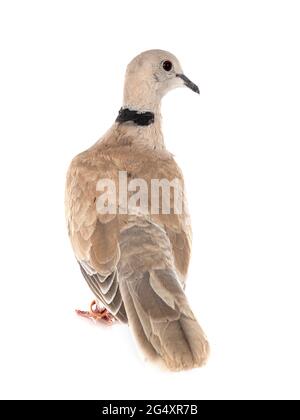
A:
(136, 324)
(158, 311)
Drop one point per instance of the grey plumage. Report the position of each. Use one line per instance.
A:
(106, 290)
(155, 301)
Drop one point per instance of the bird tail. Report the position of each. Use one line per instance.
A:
(156, 306)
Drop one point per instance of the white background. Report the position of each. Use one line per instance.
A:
(61, 77)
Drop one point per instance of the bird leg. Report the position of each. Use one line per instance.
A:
(97, 314)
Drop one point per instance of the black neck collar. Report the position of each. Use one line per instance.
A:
(138, 118)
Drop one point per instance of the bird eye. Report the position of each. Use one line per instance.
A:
(167, 65)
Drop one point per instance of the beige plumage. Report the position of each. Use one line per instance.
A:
(136, 264)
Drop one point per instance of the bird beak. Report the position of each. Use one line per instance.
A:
(189, 83)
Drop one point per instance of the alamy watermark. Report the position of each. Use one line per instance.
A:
(123, 196)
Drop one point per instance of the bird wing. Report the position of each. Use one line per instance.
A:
(94, 237)
(150, 164)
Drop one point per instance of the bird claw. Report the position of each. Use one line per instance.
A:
(96, 314)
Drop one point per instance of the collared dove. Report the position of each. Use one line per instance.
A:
(136, 262)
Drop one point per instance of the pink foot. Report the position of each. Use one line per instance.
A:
(97, 314)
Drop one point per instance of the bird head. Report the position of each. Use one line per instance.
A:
(150, 76)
